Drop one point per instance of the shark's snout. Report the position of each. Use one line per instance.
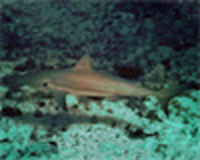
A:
(12, 81)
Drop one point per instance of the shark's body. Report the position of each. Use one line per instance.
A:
(83, 80)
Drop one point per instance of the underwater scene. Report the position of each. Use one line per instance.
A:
(99, 80)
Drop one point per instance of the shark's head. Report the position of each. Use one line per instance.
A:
(35, 80)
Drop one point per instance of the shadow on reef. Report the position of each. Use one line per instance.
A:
(61, 121)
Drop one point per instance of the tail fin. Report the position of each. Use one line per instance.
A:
(169, 92)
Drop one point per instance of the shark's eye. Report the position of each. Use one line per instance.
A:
(45, 84)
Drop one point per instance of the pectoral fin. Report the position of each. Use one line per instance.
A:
(60, 99)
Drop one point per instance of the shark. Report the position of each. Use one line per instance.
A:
(83, 80)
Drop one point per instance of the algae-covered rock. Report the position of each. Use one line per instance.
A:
(91, 142)
(71, 101)
(185, 108)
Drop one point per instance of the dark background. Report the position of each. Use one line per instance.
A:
(132, 37)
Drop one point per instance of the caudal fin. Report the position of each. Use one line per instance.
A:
(166, 94)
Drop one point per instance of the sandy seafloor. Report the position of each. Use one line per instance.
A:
(149, 42)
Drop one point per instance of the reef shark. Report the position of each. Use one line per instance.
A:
(84, 80)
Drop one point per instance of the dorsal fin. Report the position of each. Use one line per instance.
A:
(84, 63)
